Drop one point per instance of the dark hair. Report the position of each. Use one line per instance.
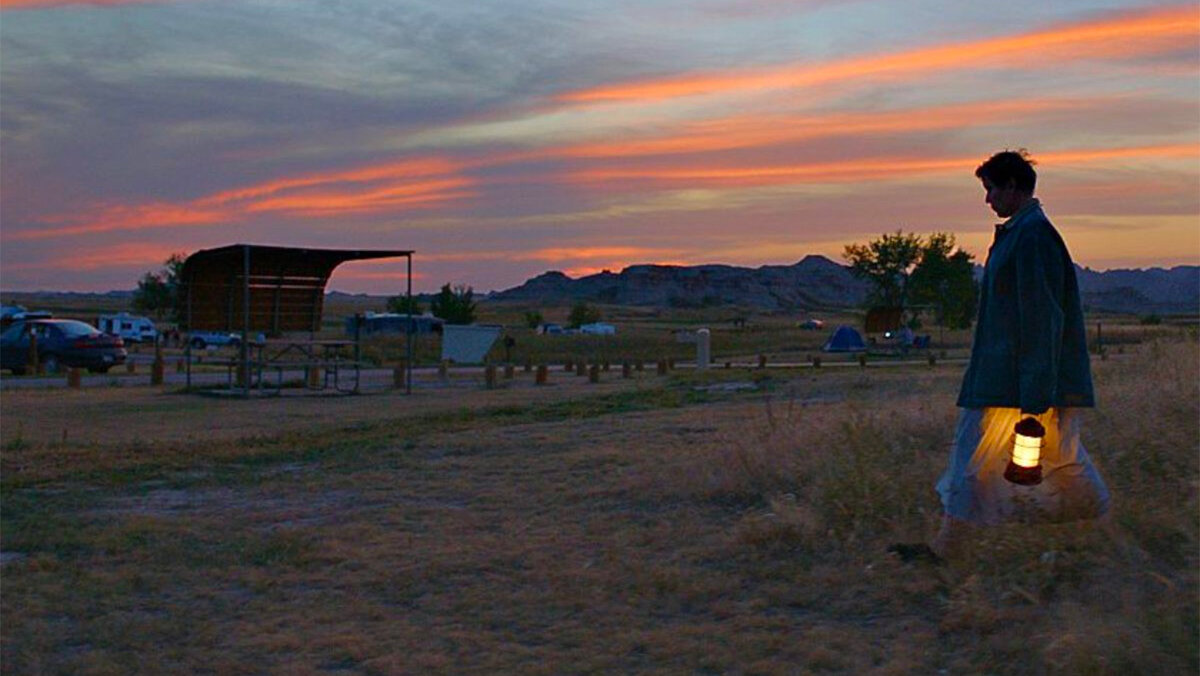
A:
(1009, 165)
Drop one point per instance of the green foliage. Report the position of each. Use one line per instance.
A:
(906, 269)
(533, 319)
(455, 305)
(157, 292)
(1150, 320)
(886, 263)
(404, 304)
(582, 313)
(945, 280)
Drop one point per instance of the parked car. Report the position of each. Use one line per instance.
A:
(60, 343)
(202, 339)
(13, 313)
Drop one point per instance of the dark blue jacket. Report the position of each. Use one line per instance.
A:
(1030, 347)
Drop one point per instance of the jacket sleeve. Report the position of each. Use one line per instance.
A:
(1040, 318)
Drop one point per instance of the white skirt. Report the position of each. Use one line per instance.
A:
(974, 489)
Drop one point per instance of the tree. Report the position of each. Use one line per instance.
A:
(886, 263)
(454, 305)
(157, 292)
(581, 314)
(906, 270)
(404, 305)
(533, 319)
(944, 279)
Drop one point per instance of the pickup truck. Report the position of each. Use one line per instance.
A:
(199, 340)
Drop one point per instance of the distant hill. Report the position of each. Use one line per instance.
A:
(819, 283)
(815, 282)
(1155, 290)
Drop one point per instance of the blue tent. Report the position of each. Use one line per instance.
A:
(845, 339)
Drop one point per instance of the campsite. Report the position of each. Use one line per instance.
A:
(732, 520)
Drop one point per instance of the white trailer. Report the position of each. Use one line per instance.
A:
(131, 328)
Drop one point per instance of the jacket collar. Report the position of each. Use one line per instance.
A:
(1030, 207)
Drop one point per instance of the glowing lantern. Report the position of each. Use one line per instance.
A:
(1025, 466)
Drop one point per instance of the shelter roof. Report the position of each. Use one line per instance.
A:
(254, 287)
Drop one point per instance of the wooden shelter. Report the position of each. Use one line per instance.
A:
(273, 290)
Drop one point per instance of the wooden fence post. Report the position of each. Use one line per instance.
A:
(33, 363)
(594, 373)
(157, 368)
(542, 372)
(74, 378)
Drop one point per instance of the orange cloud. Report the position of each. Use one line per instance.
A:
(864, 169)
(392, 197)
(414, 184)
(585, 253)
(753, 130)
(1124, 36)
(50, 4)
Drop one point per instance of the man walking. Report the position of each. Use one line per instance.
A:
(1028, 360)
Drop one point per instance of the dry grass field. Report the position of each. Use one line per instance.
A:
(676, 524)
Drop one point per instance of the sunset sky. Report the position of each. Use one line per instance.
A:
(504, 138)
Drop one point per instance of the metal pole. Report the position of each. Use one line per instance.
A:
(245, 351)
(187, 356)
(411, 331)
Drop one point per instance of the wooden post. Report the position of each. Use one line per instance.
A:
(74, 378)
(594, 373)
(605, 366)
(932, 359)
(816, 362)
(444, 369)
(728, 364)
(131, 366)
(528, 364)
(509, 371)
(662, 367)
(569, 366)
(158, 367)
(639, 366)
(399, 374)
(542, 372)
(762, 361)
(489, 374)
(862, 359)
(581, 369)
(35, 365)
(313, 374)
(670, 363)
(626, 370)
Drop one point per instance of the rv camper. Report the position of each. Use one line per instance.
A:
(131, 328)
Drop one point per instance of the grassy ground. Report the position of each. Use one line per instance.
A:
(657, 525)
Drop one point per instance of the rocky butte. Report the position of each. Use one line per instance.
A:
(819, 283)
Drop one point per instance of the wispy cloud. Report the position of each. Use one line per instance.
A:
(1120, 37)
(50, 4)
(876, 168)
(394, 187)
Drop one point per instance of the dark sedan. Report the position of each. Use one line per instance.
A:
(60, 343)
